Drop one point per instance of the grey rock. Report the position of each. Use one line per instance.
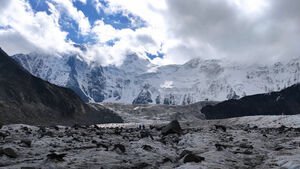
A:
(193, 158)
(172, 128)
(10, 152)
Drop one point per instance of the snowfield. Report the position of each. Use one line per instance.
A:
(194, 81)
(247, 142)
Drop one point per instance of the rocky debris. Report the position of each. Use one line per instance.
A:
(193, 158)
(102, 145)
(147, 147)
(10, 152)
(246, 152)
(220, 147)
(70, 148)
(146, 134)
(56, 156)
(169, 139)
(172, 128)
(141, 165)
(184, 153)
(278, 148)
(29, 168)
(26, 142)
(47, 133)
(244, 145)
(221, 127)
(119, 147)
(56, 128)
(4, 134)
(42, 129)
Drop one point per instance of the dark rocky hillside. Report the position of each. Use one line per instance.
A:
(285, 102)
(28, 99)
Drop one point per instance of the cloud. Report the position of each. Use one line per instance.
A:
(38, 30)
(219, 29)
(67, 6)
(12, 41)
(98, 5)
(126, 41)
(3, 5)
(238, 30)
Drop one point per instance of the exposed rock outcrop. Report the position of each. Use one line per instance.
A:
(28, 99)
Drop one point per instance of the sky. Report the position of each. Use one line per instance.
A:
(165, 31)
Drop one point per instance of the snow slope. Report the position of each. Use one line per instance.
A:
(196, 80)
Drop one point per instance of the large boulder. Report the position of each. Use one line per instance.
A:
(193, 158)
(10, 152)
(172, 128)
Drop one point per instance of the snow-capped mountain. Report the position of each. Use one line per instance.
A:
(138, 80)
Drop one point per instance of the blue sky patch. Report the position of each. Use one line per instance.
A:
(152, 56)
(117, 20)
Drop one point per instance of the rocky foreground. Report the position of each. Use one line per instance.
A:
(256, 142)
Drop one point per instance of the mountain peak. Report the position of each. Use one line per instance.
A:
(28, 99)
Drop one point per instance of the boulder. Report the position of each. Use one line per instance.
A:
(147, 147)
(220, 147)
(26, 142)
(56, 156)
(221, 127)
(4, 134)
(10, 152)
(184, 153)
(171, 128)
(193, 158)
(119, 147)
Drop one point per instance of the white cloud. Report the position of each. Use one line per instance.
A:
(241, 30)
(68, 7)
(12, 42)
(128, 41)
(82, 1)
(246, 30)
(40, 30)
(149, 10)
(98, 5)
(105, 32)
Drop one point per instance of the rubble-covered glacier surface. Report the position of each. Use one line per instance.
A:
(248, 142)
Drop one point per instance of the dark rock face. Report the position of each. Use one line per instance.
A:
(193, 158)
(10, 152)
(221, 127)
(93, 75)
(96, 80)
(56, 156)
(97, 84)
(285, 102)
(172, 128)
(169, 100)
(119, 147)
(73, 83)
(28, 99)
(144, 97)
